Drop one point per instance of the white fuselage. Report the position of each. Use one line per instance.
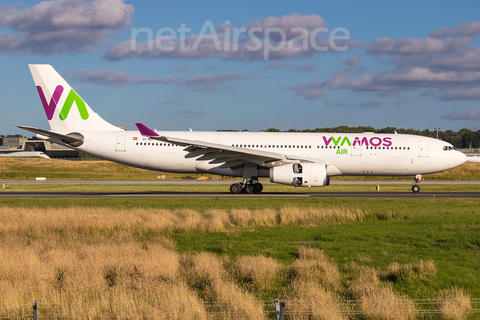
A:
(346, 154)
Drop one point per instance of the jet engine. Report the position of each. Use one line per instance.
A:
(301, 175)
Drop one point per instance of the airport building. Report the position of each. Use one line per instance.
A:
(12, 141)
(18, 143)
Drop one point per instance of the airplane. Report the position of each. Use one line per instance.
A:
(295, 159)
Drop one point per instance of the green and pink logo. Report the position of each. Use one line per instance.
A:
(364, 141)
(72, 97)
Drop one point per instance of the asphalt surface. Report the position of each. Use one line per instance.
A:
(403, 195)
(209, 182)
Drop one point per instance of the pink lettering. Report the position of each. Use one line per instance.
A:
(387, 142)
(327, 142)
(377, 143)
(356, 141)
(365, 141)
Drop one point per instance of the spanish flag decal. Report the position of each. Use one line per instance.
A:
(135, 138)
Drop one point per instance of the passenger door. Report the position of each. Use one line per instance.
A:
(422, 148)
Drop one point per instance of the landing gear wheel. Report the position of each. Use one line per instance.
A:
(258, 187)
(416, 188)
(235, 188)
(250, 188)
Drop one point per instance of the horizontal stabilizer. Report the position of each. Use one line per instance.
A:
(71, 140)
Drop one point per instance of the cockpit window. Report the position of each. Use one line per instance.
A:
(448, 148)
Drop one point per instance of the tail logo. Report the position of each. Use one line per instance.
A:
(72, 97)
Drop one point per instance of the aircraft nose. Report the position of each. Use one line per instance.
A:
(460, 158)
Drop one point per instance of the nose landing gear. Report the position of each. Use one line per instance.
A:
(416, 187)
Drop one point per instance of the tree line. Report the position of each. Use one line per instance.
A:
(463, 138)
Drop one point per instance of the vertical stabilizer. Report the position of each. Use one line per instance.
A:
(64, 108)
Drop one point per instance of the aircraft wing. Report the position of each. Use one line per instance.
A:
(230, 156)
(62, 137)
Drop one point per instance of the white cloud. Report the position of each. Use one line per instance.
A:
(467, 115)
(52, 27)
(117, 78)
(468, 29)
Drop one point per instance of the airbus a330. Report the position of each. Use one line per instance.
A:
(295, 159)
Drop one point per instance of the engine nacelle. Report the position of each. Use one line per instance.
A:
(301, 175)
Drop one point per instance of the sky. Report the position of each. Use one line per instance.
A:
(248, 64)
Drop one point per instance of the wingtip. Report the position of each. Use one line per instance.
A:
(145, 131)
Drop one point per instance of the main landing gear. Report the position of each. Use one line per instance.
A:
(247, 186)
(416, 187)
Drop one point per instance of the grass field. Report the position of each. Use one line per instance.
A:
(29, 168)
(135, 252)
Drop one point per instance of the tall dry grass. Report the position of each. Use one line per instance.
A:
(257, 273)
(315, 279)
(206, 274)
(29, 166)
(314, 265)
(229, 301)
(377, 300)
(318, 216)
(95, 276)
(408, 272)
(111, 261)
(454, 304)
(97, 224)
(309, 300)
